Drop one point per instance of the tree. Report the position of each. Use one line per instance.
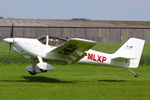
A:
(79, 19)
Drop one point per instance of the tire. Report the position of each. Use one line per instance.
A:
(42, 70)
(32, 73)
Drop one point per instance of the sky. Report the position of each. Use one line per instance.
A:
(133, 10)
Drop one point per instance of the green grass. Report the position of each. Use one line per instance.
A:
(73, 82)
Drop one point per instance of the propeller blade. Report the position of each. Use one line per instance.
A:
(10, 47)
(12, 31)
(11, 36)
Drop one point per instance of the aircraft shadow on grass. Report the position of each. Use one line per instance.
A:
(42, 79)
(38, 79)
(112, 80)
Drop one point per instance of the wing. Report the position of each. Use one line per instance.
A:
(73, 50)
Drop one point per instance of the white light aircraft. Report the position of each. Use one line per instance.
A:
(74, 50)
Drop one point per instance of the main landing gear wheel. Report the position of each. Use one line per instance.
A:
(32, 73)
(135, 75)
(42, 70)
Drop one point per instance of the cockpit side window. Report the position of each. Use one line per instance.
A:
(55, 41)
(42, 40)
(52, 41)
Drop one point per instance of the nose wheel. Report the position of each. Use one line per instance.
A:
(32, 73)
(42, 70)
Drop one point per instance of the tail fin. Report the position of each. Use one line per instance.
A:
(131, 51)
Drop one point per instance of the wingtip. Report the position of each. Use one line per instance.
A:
(8, 40)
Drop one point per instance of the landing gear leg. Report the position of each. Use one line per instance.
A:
(135, 74)
(34, 61)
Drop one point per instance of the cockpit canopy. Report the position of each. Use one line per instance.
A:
(52, 40)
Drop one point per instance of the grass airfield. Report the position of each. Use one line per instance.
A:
(73, 82)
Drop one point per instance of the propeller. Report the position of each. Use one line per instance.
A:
(11, 36)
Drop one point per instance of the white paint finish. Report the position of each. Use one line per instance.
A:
(33, 48)
(95, 57)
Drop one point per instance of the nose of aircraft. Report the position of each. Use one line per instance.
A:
(8, 40)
